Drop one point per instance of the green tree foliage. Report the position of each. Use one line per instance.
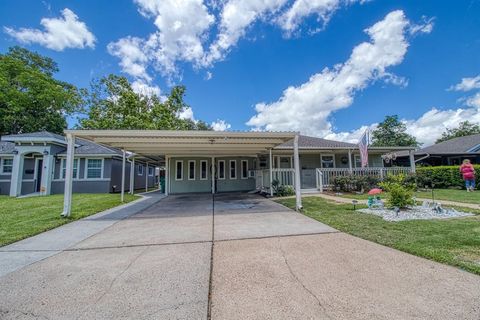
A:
(111, 103)
(465, 128)
(30, 98)
(391, 133)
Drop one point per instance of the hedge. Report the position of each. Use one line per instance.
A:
(441, 177)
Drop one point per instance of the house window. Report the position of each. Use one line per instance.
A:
(221, 169)
(179, 170)
(233, 169)
(203, 170)
(358, 161)
(140, 170)
(150, 171)
(63, 173)
(94, 168)
(328, 161)
(191, 170)
(244, 169)
(7, 166)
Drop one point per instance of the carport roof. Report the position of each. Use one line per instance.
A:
(154, 143)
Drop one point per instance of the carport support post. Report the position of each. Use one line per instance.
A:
(132, 176)
(146, 177)
(167, 175)
(350, 161)
(122, 196)
(67, 195)
(213, 175)
(270, 165)
(411, 154)
(296, 162)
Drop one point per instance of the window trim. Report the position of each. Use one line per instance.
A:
(327, 155)
(206, 169)
(176, 170)
(230, 169)
(224, 175)
(2, 166)
(60, 175)
(86, 168)
(241, 169)
(140, 165)
(194, 170)
(153, 171)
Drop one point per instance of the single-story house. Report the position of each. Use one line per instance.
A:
(448, 153)
(212, 161)
(36, 163)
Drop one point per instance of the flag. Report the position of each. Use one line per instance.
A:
(363, 147)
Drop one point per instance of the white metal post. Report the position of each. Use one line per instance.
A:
(67, 195)
(146, 177)
(132, 176)
(270, 165)
(296, 162)
(350, 169)
(411, 153)
(122, 196)
(167, 175)
(213, 175)
(17, 175)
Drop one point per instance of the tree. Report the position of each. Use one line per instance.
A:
(111, 103)
(465, 128)
(391, 133)
(30, 98)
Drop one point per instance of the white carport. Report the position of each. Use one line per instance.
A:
(162, 144)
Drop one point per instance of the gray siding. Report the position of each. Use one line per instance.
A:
(238, 184)
(4, 187)
(309, 161)
(139, 180)
(84, 186)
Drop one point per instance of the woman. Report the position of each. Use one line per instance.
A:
(468, 172)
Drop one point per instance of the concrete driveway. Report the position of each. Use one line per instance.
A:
(268, 263)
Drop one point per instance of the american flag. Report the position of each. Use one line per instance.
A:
(363, 147)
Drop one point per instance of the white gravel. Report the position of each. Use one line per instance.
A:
(415, 213)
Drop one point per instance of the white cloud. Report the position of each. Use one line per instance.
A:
(60, 33)
(146, 89)
(133, 59)
(307, 108)
(220, 125)
(467, 84)
(426, 26)
(474, 101)
(187, 114)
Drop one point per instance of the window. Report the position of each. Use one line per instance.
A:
(233, 169)
(203, 170)
(94, 168)
(179, 170)
(221, 169)
(63, 172)
(7, 166)
(140, 170)
(244, 169)
(191, 170)
(358, 161)
(150, 171)
(328, 161)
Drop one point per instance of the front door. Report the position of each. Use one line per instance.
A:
(38, 177)
(308, 180)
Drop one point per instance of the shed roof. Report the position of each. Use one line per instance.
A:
(467, 144)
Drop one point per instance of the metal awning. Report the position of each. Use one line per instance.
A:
(155, 143)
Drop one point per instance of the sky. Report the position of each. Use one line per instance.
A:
(326, 68)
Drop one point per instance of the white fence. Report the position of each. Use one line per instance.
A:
(285, 177)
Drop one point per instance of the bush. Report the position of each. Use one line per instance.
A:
(400, 191)
(441, 177)
(352, 183)
(282, 191)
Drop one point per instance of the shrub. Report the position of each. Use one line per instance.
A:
(441, 177)
(400, 191)
(353, 183)
(282, 191)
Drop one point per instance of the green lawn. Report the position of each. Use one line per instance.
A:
(451, 241)
(440, 194)
(25, 217)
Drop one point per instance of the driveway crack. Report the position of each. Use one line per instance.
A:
(310, 292)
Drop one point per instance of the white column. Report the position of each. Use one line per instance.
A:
(122, 192)
(350, 161)
(411, 154)
(296, 162)
(167, 175)
(47, 172)
(213, 175)
(146, 176)
(132, 176)
(17, 176)
(270, 165)
(67, 196)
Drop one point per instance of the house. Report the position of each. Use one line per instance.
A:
(448, 153)
(212, 161)
(36, 163)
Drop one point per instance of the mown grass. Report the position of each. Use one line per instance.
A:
(25, 217)
(451, 241)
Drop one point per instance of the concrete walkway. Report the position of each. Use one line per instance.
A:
(233, 257)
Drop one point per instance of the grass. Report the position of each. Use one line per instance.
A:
(440, 194)
(25, 217)
(451, 241)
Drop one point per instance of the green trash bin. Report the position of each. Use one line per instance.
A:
(162, 183)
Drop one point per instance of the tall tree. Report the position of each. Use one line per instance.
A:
(111, 103)
(31, 99)
(392, 133)
(465, 128)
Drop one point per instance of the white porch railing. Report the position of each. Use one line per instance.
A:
(285, 177)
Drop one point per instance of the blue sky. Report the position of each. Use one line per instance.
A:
(237, 58)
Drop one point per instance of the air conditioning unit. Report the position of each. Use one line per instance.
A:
(251, 173)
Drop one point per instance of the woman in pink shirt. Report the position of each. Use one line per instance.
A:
(468, 172)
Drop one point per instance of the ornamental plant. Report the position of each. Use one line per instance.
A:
(400, 193)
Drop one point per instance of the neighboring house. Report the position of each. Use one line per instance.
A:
(450, 152)
(36, 163)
